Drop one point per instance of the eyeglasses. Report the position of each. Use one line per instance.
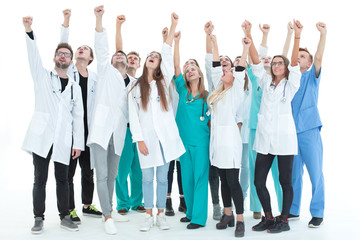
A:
(277, 64)
(154, 56)
(65, 54)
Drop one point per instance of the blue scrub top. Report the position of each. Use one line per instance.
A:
(192, 130)
(304, 104)
(256, 94)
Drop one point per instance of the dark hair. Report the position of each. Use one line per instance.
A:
(145, 86)
(91, 53)
(196, 62)
(120, 51)
(286, 62)
(64, 45)
(231, 62)
(306, 50)
(134, 53)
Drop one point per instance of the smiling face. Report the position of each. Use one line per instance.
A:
(228, 77)
(153, 60)
(191, 73)
(266, 61)
(133, 61)
(84, 53)
(62, 58)
(278, 67)
(225, 63)
(119, 58)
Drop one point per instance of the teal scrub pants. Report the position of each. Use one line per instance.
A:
(129, 164)
(255, 205)
(195, 174)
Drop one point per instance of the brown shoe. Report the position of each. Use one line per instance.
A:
(257, 215)
(123, 211)
(140, 209)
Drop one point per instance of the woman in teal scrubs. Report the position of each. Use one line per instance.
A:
(192, 120)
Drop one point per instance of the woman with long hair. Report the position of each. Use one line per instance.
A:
(192, 120)
(153, 127)
(276, 132)
(225, 139)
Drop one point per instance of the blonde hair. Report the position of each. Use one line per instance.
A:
(201, 85)
(217, 95)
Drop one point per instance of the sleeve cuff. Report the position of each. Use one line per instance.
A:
(216, 64)
(31, 35)
(239, 68)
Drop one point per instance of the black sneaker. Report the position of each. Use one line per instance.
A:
(279, 226)
(264, 224)
(293, 217)
(74, 217)
(91, 211)
(182, 206)
(315, 222)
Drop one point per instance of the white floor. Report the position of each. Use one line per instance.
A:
(16, 206)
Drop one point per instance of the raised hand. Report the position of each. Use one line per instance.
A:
(321, 27)
(120, 19)
(265, 28)
(290, 27)
(67, 14)
(246, 26)
(246, 42)
(174, 18)
(99, 11)
(27, 21)
(177, 36)
(165, 33)
(298, 27)
(209, 28)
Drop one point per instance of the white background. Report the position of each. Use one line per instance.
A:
(338, 99)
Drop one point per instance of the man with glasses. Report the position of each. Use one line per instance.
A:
(57, 124)
(108, 124)
(308, 126)
(87, 80)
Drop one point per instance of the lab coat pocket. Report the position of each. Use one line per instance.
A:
(101, 114)
(286, 124)
(39, 122)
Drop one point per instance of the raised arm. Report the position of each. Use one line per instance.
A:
(295, 52)
(246, 26)
(118, 37)
(216, 57)
(64, 31)
(208, 28)
(27, 21)
(174, 22)
(321, 47)
(177, 54)
(99, 12)
(165, 33)
(265, 28)
(290, 30)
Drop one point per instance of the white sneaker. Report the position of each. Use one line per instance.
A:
(149, 222)
(118, 217)
(110, 227)
(161, 222)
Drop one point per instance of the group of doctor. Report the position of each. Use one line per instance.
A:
(112, 110)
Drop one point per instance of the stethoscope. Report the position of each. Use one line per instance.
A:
(72, 101)
(207, 113)
(283, 99)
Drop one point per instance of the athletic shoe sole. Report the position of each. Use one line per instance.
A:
(314, 226)
(69, 229)
(92, 215)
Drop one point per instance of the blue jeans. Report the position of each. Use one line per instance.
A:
(161, 186)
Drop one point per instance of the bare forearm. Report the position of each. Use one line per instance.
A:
(287, 44)
(99, 26)
(118, 40)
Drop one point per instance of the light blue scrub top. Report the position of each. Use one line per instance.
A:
(256, 94)
(192, 130)
(304, 104)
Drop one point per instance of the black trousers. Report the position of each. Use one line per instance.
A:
(214, 184)
(87, 179)
(262, 167)
(171, 176)
(41, 169)
(230, 188)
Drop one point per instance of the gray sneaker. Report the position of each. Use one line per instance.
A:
(217, 212)
(38, 226)
(67, 224)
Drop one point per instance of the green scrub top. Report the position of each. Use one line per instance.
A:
(192, 130)
(256, 95)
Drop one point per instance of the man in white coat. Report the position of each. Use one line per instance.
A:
(87, 80)
(57, 124)
(109, 120)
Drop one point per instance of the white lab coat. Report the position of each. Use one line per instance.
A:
(156, 126)
(276, 132)
(73, 72)
(245, 109)
(225, 139)
(110, 112)
(57, 120)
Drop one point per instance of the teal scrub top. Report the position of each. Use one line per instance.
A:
(256, 94)
(192, 130)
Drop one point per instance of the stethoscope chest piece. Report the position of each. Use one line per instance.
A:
(202, 118)
(283, 99)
